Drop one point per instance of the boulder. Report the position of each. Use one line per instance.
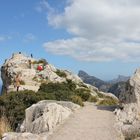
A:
(23, 136)
(41, 119)
(46, 115)
(128, 115)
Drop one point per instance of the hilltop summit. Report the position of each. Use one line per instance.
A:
(31, 73)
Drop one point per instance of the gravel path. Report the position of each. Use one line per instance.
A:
(88, 123)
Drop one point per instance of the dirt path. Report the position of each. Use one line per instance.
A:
(88, 123)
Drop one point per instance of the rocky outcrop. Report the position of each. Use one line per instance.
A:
(41, 119)
(30, 73)
(46, 115)
(129, 115)
(23, 136)
(115, 86)
(94, 81)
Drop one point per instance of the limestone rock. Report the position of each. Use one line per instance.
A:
(41, 119)
(46, 115)
(23, 136)
(129, 115)
(31, 77)
(73, 77)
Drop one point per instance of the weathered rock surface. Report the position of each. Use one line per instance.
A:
(30, 76)
(23, 136)
(46, 115)
(129, 115)
(41, 119)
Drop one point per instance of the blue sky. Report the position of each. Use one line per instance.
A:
(74, 35)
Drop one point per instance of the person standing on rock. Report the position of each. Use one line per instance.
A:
(30, 64)
(17, 81)
(31, 55)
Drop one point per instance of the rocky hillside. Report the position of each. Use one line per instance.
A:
(116, 86)
(129, 114)
(31, 73)
(120, 78)
(92, 80)
(26, 81)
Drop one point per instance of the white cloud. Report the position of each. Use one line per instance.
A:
(103, 30)
(5, 38)
(44, 5)
(29, 38)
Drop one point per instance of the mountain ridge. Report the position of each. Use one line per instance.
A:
(115, 86)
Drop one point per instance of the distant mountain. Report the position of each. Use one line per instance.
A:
(115, 86)
(118, 88)
(120, 78)
(92, 80)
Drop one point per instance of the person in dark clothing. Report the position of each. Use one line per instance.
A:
(31, 55)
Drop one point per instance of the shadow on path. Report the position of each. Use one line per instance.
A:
(108, 108)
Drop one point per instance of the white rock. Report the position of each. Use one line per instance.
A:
(46, 115)
(23, 136)
(129, 115)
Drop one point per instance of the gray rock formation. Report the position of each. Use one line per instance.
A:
(129, 115)
(30, 76)
(41, 119)
(23, 136)
(46, 115)
(116, 86)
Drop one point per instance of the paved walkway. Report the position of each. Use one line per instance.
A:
(88, 123)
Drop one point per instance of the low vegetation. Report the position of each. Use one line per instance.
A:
(15, 103)
(61, 73)
(93, 99)
(77, 99)
(22, 82)
(41, 61)
(83, 93)
(4, 126)
(108, 101)
(4, 123)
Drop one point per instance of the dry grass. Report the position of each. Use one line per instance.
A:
(4, 126)
(4, 123)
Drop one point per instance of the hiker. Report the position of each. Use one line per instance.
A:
(30, 64)
(40, 68)
(17, 82)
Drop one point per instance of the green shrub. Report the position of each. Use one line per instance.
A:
(61, 73)
(22, 82)
(83, 85)
(100, 95)
(15, 104)
(41, 61)
(108, 101)
(83, 93)
(93, 99)
(77, 100)
(61, 91)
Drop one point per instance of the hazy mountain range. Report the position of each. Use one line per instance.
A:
(115, 86)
